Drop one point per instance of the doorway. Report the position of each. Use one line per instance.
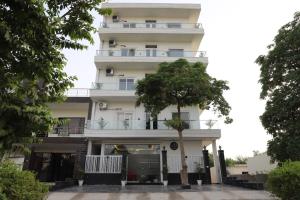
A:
(143, 168)
(124, 120)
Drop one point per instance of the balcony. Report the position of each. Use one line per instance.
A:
(110, 90)
(78, 92)
(150, 129)
(149, 58)
(149, 32)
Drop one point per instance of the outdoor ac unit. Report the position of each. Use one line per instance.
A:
(112, 43)
(109, 71)
(103, 105)
(115, 18)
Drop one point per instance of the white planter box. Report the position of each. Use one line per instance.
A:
(165, 183)
(123, 183)
(199, 182)
(80, 182)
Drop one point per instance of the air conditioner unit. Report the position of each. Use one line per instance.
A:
(109, 71)
(115, 18)
(103, 106)
(112, 43)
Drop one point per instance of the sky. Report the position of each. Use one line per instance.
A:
(236, 33)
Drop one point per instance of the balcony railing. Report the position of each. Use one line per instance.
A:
(65, 131)
(78, 92)
(147, 125)
(114, 86)
(150, 53)
(133, 25)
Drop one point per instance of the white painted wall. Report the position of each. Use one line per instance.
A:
(108, 19)
(191, 148)
(69, 110)
(260, 164)
(138, 113)
(121, 73)
(237, 169)
(161, 46)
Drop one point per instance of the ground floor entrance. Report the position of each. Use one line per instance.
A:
(51, 167)
(143, 168)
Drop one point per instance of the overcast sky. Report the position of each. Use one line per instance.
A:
(236, 33)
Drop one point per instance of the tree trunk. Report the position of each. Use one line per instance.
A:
(183, 172)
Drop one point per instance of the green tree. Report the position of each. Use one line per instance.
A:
(182, 84)
(280, 80)
(20, 184)
(32, 36)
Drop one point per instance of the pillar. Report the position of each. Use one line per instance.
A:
(164, 164)
(206, 166)
(89, 148)
(124, 166)
(222, 163)
(216, 162)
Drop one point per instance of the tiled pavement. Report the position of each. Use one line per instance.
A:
(156, 192)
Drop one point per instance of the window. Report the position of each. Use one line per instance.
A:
(184, 117)
(126, 84)
(175, 53)
(150, 23)
(127, 52)
(174, 25)
(151, 50)
(129, 25)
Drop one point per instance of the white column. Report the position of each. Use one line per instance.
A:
(216, 162)
(93, 111)
(102, 149)
(89, 149)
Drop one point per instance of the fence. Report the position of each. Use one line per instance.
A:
(103, 164)
(193, 162)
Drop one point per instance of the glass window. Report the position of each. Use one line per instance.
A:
(126, 84)
(174, 25)
(175, 53)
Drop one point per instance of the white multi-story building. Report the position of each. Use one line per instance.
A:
(104, 122)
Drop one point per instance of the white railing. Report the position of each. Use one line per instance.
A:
(150, 53)
(108, 124)
(103, 164)
(78, 92)
(113, 86)
(193, 162)
(134, 25)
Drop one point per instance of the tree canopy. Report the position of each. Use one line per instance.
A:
(32, 36)
(280, 80)
(182, 84)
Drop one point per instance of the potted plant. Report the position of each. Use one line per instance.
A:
(102, 123)
(199, 170)
(126, 123)
(80, 176)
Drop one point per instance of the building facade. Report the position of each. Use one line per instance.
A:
(106, 135)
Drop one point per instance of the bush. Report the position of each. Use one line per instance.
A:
(284, 181)
(19, 185)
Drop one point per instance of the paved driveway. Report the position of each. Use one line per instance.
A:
(212, 192)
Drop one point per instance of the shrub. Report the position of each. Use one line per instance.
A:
(284, 181)
(19, 185)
